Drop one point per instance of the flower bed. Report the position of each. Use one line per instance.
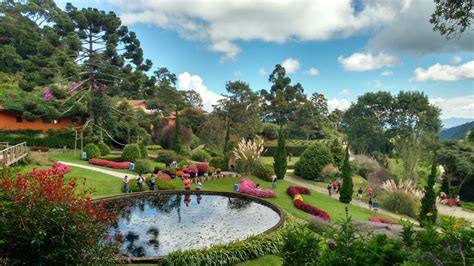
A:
(163, 176)
(296, 192)
(247, 186)
(56, 169)
(110, 164)
(381, 220)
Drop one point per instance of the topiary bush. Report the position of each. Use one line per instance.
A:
(167, 156)
(264, 171)
(143, 150)
(92, 151)
(131, 153)
(104, 149)
(143, 167)
(312, 161)
(201, 155)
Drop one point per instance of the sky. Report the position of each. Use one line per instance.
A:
(340, 48)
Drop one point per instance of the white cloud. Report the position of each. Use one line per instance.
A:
(386, 73)
(262, 72)
(345, 92)
(341, 104)
(291, 65)
(366, 61)
(187, 82)
(312, 71)
(462, 107)
(238, 74)
(222, 24)
(456, 60)
(445, 72)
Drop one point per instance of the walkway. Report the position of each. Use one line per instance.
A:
(442, 209)
(96, 169)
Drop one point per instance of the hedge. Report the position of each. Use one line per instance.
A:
(293, 146)
(57, 143)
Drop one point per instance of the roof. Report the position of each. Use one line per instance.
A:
(136, 103)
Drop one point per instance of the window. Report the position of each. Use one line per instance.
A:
(19, 119)
(46, 120)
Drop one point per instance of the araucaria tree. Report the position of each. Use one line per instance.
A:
(428, 210)
(279, 104)
(176, 145)
(347, 185)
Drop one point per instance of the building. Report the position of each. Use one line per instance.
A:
(13, 121)
(141, 104)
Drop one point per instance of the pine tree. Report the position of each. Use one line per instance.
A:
(227, 137)
(428, 210)
(347, 185)
(176, 145)
(279, 157)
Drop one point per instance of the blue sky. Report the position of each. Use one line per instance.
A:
(329, 47)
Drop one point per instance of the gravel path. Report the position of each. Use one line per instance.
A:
(96, 169)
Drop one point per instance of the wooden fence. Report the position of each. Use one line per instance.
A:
(12, 154)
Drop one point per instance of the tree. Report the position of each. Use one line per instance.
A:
(176, 145)
(452, 17)
(192, 99)
(428, 210)
(347, 185)
(279, 158)
(279, 104)
(337, 152)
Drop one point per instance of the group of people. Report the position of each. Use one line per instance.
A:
(140, 182)
(334, 187)
(187, 184)
(373, 203)
(444, 199)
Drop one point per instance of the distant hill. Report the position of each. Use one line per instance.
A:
(455, 121)
(457, 132)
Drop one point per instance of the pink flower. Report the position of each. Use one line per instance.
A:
(247, 186)
(110, 164)
(192, 169)
(47, 95)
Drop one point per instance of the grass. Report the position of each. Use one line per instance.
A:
(265, 260)
(269, 160)
(468, 206)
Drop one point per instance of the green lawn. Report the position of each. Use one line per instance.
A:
(269, 260)
(469, 206)
(269, 160)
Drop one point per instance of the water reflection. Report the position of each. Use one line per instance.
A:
(155, 225)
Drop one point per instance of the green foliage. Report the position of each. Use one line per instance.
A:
(280, 163)
(293, 146)
(176, 144)
(347, 189)
(270, 131)
(312, 161)
(57, 143)
(337, 152)
(300, 247)
(263, 171)
(131, 153)
(112, 157)
(143, 167)
(219, 162)
(154, 147)
(452, 18)
(428, 211)
(201, 155)
(143, 150)
(92, 151)
(22, 133)
(160, 184)
(104, 149)
(167, 156)
(400, 202)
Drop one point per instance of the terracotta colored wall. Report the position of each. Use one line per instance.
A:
(8, 122)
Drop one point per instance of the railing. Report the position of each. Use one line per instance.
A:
(13, 154)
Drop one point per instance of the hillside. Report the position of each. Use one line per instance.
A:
(457, 132)
(454, 122)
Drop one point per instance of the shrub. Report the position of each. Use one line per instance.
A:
(248, 153)
(143, 167)
(163, 176)
(400, 202)
(347, 189)
(104, 149)
(337, 152)
(270, 131)
(264, 171)
(330, 171)
(192, 170)
(131, 153)
(247, 186)
(201, 155)
(57, 169)
(312, 161)
(52, 221)
(164, 184)
(366, 165)
(153, 147)
(56, 143)
(92, 151)
(219, 162)
(167, 156)
(143, 151)
(300, 247)
(202, 167)
(111, 164)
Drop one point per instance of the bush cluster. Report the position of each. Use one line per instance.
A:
(312, 161)
(143, 167)
(104, 149)
(131, 153)
(143, 151)
(264, 171)
(92, 151)
(167, 156)
(56, 143)
(219, 162)
(201, 155)
(295, 147)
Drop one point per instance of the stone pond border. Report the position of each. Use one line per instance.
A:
(157, 259)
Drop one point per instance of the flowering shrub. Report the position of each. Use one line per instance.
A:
(111, 164)
(247, 186)
(330, 171)
(180, 173)
(202, 167)
(296, 192)
(57, 169)
(163, 176)
(47, 94)
(52, 221)
(191, 169)
(381, 220)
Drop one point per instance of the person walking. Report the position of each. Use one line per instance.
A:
(274, 181)
(359, 194)
(330, 189)
(370, 203)
(187, 183)
(140, 181)
(126, 184)
(152, 182)
(334, 187)
(458, 201)
(198, 185)
(369, 192)
(375, 204)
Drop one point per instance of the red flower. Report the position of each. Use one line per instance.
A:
(111, 164)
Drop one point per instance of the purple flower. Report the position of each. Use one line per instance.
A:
(47, 95)
(73, 87)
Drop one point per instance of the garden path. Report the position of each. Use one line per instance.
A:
(442, 209)
(100, 170)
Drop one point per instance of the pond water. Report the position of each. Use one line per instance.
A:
(157, 224)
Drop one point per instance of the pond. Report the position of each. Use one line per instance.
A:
(155, 224)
